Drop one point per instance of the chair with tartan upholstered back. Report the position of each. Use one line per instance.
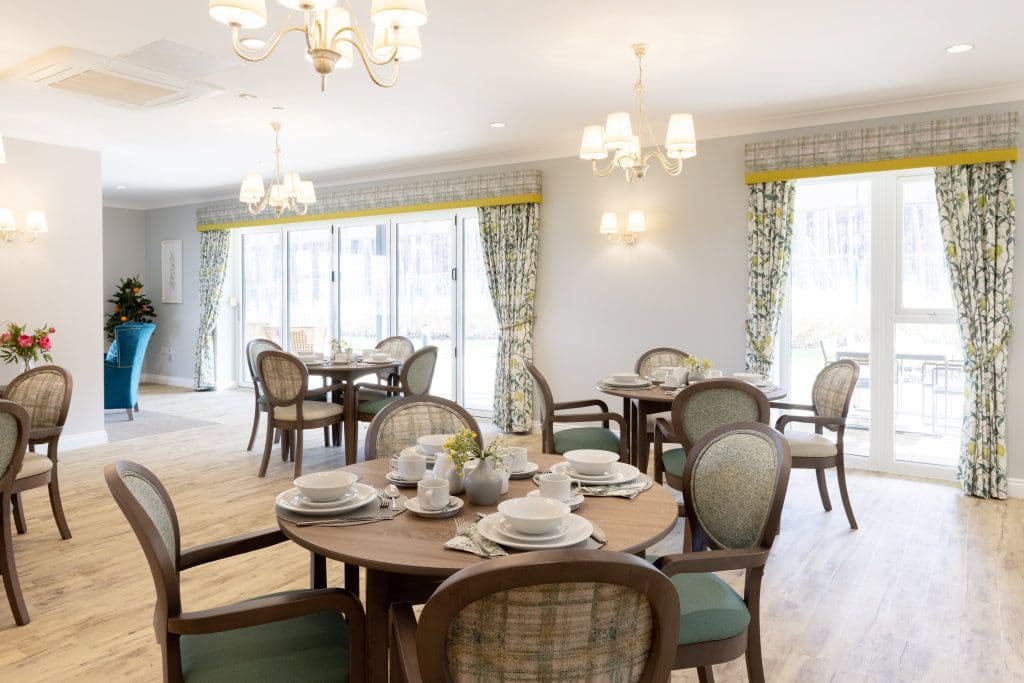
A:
(14, 429)
(734, 487)
(405, 420)
(299, 635)
(544, 616)
(414, 379)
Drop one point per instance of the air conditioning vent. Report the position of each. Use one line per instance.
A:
(114, 81)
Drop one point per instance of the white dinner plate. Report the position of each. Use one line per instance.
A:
(634, 384)
(454, 505)
(302, 500)
(292, 500)
(526, 472)
(506, 528)
(622, 472)
(578, 530)
(574, 502)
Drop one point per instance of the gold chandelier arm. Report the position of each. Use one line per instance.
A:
(259, 208)
(360, 39)
(598, 171)
(369, 64)
(268, 47)
(673, 167)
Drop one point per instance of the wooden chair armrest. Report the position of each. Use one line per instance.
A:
(271, 608)
(403, 643)
(323, 390)
(782, 405)
(711, 561)
(387, 388)
(816, 420)
(592, 417)
(586, 403)
(230, 547)
(663, 428)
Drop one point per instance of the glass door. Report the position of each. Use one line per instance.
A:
(479, 325)
(364, 304)
(310, 290)
(262, 290)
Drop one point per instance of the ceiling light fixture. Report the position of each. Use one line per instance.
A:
(287, 190)
(635, 224)
(959, 48)
(332, 39)
(497, 124)
(617, 136)
(120, 187)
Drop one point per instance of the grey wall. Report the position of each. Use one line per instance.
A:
(124, 250)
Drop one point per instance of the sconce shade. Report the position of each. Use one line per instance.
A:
(35, 221)
(635, 221)
(245, 13)
(592, 146)
(609, 223)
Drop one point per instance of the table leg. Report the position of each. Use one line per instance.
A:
(317, 571)
(643, 444)
(351, 424)
(378, 615)
(627, 414)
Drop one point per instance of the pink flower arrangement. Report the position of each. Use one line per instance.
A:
(19, 344)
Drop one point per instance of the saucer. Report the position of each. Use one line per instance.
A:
(574, 502)
(454, 505)
(578, 530)
(635, 384)
(526, 472)
(621, 473)
(290, 500)
(505, 527)
(393, 477)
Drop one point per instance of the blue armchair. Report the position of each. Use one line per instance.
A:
(122, 366)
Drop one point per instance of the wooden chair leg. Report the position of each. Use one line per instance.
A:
(286, 442)
(18, 513)
(8, 568)
(54, 489)
(844, 494)
(297, 452)
(327, 437)
(705, 674)
(131, 417)
(823, 489)
(255, 427)
(269, 446)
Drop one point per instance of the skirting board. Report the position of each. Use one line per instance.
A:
(1015, 488)
(71, 442)
(168, 380)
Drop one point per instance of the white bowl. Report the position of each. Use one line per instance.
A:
(590, 461)
(432, 443)
(324, 487)
(534, 515)
(625, 377)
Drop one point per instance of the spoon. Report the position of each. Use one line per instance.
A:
(391, 491)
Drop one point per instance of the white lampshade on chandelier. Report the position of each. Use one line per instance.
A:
(626, 146)
(332, 38)
(287, 191)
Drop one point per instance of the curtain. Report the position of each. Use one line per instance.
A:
(510, 239)
(976, 212)
(769, 237)
(213, 261)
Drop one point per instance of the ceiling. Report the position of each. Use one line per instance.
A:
(544, 68)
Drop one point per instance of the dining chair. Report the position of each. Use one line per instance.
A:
(402, 422)
(14, 429)
(543, 616)
(698, 409)
(734, 486)
(45, 393)
(646, 364)
(298, 635)
(829, 408)
(397, 347)
(574, 438)
(289, 408)
(414, 379)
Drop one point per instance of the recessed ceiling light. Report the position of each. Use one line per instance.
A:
(246, 96)
(959, 47)
(497, 124)
(277, 108)
(120, 187)
(252, 43)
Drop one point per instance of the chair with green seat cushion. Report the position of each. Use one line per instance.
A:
(304, 635)
(407, 418)
(734, 487)
(414, 379)
(575, 438)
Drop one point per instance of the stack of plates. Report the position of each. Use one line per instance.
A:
(617, 473)
(632, 384)
(494, 527)
(356, 497)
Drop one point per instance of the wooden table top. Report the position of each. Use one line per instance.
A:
(409, 544)
(350, 367)
(659, 395)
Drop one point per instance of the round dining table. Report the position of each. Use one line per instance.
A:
(649, 401)
(405, 558)
(348, 372)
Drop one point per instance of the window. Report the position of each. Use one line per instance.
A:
(868, 282)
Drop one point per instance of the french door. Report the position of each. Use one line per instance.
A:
(868, 282)
(420, 276)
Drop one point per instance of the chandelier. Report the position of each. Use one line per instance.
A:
(332, 39)
(287, 190)
(616, 137)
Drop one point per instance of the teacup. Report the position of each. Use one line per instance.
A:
(517, 457)
(432, 443)
(432, 494)
(558, 486)
(412, 466)
(714, 374)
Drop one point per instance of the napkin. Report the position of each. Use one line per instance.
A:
(628, 490)
(469, 540)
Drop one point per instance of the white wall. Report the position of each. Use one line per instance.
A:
(57, 280)
(124, 251)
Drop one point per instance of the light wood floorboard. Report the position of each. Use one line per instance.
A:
(931, 588)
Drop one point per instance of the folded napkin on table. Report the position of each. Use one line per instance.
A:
(469, 540)
(629, 489)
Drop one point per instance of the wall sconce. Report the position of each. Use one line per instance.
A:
(35, 223)
(635, 224)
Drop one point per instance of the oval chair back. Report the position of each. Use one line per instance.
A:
(284, 379)
(402, 422)
(397, 347)
(45, 393)
(662, 357)
(543, 389)
(734, 486)
(252, 351)
(713, 403)
(417, 372)
(833, 389)
(14, 428)
(493, 621)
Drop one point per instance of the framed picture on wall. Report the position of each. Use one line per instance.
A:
(170, 271)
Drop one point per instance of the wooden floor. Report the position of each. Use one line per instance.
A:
(930, 589)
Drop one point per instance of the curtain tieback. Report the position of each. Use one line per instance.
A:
(519, 323)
